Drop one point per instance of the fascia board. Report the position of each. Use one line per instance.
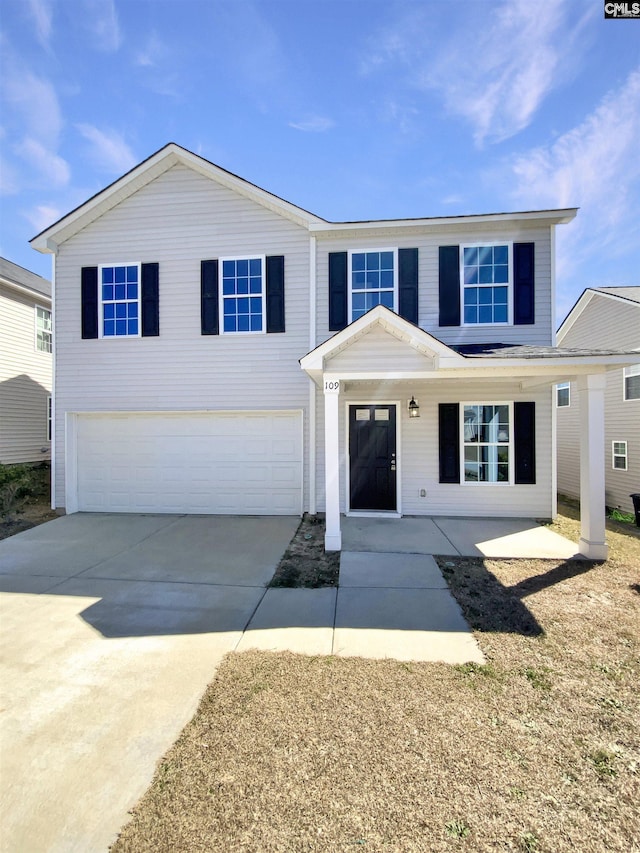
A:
(149, 170)
(548, 217)
(36, 295)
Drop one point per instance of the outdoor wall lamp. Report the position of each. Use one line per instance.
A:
(414, 408)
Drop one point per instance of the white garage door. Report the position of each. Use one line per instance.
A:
(244, 463)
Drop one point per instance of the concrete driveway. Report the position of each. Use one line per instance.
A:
(111, 627)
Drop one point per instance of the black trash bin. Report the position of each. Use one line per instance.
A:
(636, 507)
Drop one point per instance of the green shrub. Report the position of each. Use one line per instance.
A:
(17, 483)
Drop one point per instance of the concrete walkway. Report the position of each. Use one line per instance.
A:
(387, 606)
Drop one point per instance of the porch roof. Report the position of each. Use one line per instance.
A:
(431, 358)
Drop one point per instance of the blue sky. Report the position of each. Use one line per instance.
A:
(354, 109)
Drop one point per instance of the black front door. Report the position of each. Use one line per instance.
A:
(372, 457)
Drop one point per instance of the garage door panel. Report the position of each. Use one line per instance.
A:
(233, 463)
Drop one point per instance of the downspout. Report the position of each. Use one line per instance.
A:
(54, 339)
(312, 384)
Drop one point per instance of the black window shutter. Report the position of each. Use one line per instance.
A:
(449, 285)
(150, 300)
(449, 442)
(524, 434)
(408, 284)
(209, 297)
(89, 297)
(338, 300)
(523, 283)
(275, 293)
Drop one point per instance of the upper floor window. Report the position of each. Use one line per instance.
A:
(373, 277)
(632, 382)
(486, 283)
(120, 301)
(43, 330)
(243, 302)
(486, 442)
(563, 394)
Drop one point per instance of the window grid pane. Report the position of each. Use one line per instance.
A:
(120, 298)
(619, 455)
(372, 280)
(242, 296)
(632, 382)
(43, 330)
(486, 284)
(486, 434)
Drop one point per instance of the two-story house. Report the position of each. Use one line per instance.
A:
(26, 365)
(602, 317)
(220, 350)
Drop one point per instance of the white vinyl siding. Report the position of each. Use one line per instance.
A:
(178, 220)
(604, 322)
(25, 382)
(418, 457)
(428, 240)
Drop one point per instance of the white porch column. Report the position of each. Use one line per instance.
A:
(333, 535)
(592, 507)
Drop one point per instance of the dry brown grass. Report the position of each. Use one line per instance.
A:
(538, 750)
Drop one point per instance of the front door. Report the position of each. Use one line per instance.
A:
(372, 457)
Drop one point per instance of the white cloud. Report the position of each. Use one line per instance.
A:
(108, 149)
(595, 167)
(101, 19)
(36, 99)
(42, 216)
(313, 124)
(494, 66)
(42, 13)
(497, 77)
(153, 52)
(53, 167)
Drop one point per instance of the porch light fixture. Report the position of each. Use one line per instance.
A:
(414, 408)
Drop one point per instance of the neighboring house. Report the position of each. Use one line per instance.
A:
(26, 365)
(186, 298)
(604, 317)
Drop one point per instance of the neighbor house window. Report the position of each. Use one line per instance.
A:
(243, 301)
(619, 455)
(486, 442)
(43, 329)
(563, 394)
(486, 283)
(373, 281)
(632, 382)
(49, 412)
(120, 300)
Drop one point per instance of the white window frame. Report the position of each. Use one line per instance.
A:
(126, 337)
(616, 454)
(508, 284)
(627, 372)
(509, 444)
(263, 293)
(561, 386)
(37, 329)
(49, 417)
(364, 251)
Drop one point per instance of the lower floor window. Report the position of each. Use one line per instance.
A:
(486, 442)
(619, 455)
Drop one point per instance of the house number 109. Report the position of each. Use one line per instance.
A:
(331, 386)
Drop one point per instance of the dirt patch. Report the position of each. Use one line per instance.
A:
(305, 563)
(538, 750)
(33, 510)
